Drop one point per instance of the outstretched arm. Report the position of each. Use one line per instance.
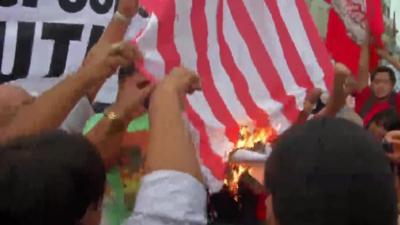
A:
(114, 33)
(391, 59)
(363, 72)
(344, 85)
(50, 109)
(171, 146)
(108, 134)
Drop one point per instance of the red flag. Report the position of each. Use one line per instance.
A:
(340, 44)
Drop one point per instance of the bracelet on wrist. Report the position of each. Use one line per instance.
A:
(122, 18)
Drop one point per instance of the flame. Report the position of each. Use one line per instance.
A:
(247, 140)
(237, 171)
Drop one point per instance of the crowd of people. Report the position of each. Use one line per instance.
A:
(336, 165)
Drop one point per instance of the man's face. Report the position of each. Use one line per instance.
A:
(11, 99)
(382, 86)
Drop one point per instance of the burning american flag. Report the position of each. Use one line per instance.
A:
(256, 59)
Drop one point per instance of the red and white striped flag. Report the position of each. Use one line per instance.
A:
(256, 59)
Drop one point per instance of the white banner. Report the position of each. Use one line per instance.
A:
(50, 38)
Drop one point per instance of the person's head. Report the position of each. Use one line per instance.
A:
(11, 99)
(52, 178)
(384, 122)
(329, 172)
(383, 81)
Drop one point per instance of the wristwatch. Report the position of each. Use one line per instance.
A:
(117, 124)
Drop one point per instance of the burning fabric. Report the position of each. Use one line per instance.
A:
(249, 155)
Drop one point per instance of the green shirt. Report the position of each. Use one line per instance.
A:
(115, 208)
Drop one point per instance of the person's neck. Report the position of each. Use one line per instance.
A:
(384, 99)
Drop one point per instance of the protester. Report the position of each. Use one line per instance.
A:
(12, 98)
(95, 70)
(380, 94)
(384, 122)
(127, 78)
(51, 178)
(102, 61)
(124, 178)
(172, 191)
(335, 105)
(385, 54)
(329, 171)
(34, 87)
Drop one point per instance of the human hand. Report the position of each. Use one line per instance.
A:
(128, 8)
(341, 69)
(182, 81)
(382, 52)
(176, 84)
(311, 100)
(393, 137)
(350, 85)
(104, 59)
(132, 95)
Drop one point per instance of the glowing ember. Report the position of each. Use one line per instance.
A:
(249, 140)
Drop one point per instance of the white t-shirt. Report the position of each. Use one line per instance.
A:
(170, 198)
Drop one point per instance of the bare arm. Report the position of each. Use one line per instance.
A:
(363, 71)
(310, 101)
(108, 134)
(50, 109)
(114, 32)
(343, 86)
(171, 146)
(391, 59)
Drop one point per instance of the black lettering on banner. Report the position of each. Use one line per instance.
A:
(101, 8)
(30, 3)
(23, 51)
(62, 34)
(7, 3)
(95, 35)
(72, 6)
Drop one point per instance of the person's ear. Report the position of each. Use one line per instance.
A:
(92, 215)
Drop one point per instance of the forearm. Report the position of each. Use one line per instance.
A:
(49, 110)
(392, 60)
(343, 85)
(107, 136)
(114, 33)
(302, 118)
(363, 72)
(171, 146)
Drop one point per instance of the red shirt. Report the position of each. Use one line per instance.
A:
(366, 95)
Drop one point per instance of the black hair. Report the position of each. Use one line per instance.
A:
(48, 179)
(125, 72)
(328, 172)
(384, 69)
(388, 119)
(142, 12)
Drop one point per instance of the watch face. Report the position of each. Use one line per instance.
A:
(353, 15)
